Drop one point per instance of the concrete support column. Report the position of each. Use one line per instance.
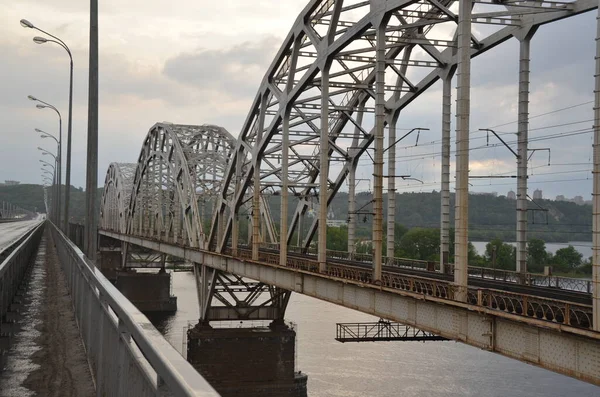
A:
(445, 188)
(378, 153)
(283, 224)
(523, 119)
(596, 189)
(463, 106)
(324, 168)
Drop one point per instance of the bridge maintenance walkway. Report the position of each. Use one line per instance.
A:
(46, 354)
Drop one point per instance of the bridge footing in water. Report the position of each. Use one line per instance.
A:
(250, 362)
(149, 292)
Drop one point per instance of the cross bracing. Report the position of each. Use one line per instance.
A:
(332, 96)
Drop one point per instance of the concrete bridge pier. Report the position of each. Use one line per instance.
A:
(149, 291)
(250, 362)
(237, 359)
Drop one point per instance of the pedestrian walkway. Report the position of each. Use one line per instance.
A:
(47, 357)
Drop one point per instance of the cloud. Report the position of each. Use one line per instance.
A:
(232, 72)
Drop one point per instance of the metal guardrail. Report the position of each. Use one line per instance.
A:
(14, 265)
(558, 311)
(510, 276)
(127, 355)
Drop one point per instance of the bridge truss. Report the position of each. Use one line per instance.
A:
(334, 94)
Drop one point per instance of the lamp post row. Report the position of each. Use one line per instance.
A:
(41, 40)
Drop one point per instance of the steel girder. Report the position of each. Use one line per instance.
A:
(180, 168)
(324, 75)
(115, 197)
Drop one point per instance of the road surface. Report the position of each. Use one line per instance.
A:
(11, 231)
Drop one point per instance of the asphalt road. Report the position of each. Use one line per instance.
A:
(11, 231)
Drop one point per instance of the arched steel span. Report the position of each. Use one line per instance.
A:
(115, 197)
(179, 172)
(343, 59)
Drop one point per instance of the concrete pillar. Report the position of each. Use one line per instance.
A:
(324, 168)
(260, 360)
(149, 292)
(110, 258)
(445, 188)
(378, 153)
(523, 122)
(463, 106)
(596, 189)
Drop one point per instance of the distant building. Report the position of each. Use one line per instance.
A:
(336, 222)
(537, 194)
(560, 197)
(11, 183)
(578, 200)
(493, 194)
(511, 195)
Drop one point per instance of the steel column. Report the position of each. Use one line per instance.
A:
(463, 106)
(324, 167)
(445, 188)
(378, 152)
(596, 189)
(91, 186)
(283, 223)
(256, 218)
(391, 198)
(523, 119)
(352, 209)
(352, 216)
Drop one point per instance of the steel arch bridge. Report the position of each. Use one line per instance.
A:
(334, 93)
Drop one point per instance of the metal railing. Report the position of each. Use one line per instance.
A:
(509, 276)
(554, 310)
(127, 355)
(382, 331)
(16, 259)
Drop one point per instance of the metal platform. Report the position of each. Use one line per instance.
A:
(382, 331)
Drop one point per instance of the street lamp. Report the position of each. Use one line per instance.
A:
(44, 105)
(41, 40)
(57, 186)
(44, 134)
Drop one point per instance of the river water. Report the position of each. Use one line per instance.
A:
(387, 369)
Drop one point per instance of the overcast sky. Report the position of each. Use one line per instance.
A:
(196, 62)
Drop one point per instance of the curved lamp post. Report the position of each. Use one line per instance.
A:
(41, 40)
(44, 105)
(57, 185)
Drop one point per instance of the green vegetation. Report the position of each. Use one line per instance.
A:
(416, 229)
(31, 197)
